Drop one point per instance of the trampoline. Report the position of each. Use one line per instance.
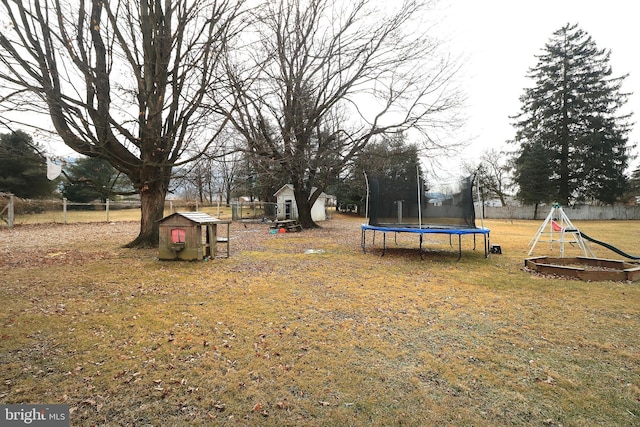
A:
(404, 205)
(422, 231)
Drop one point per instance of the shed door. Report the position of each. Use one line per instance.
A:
(178, 235)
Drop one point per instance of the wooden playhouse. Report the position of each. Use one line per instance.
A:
(191, 236)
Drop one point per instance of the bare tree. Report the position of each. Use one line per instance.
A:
(210, 178)
(195, 180)
(121, 80)
(320, 79)
(228, 169)
(494, 174)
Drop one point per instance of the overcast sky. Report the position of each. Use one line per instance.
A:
(499, 39)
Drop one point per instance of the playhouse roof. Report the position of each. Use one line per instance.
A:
(196, 217)
(288, 188)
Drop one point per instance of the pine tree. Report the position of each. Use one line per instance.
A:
(23, 170)
(634, 184)
(390, 157)
(572, 114)
(93, 178)
(533, 170)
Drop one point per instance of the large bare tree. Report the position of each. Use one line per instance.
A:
(121, 80)
(319, 79)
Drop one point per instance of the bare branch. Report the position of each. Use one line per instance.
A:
(317, 80)
(122, 80)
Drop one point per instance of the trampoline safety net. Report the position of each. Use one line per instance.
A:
(407, 203)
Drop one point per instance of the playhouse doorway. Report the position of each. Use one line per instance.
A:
(288, 209)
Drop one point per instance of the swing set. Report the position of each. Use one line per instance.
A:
(557, 228)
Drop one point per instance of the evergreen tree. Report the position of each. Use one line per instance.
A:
(391, 158)
(572, 116)
(94, 178)
(533, 171)
(634, 184)
(23, 169)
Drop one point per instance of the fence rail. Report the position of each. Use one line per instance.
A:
(14, 210)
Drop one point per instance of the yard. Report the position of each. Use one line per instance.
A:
(304, 329)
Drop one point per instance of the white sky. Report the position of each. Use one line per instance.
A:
(499, 39)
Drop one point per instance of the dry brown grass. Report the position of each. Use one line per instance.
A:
(274, 336)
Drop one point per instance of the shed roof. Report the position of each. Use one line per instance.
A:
(197, 217)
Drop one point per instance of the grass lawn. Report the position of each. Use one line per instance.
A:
(278, 335)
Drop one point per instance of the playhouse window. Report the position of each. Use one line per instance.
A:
(178, 235)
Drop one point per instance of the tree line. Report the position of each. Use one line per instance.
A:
(86, 179)
(291, 91)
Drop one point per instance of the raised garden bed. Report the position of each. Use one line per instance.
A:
(583, 268)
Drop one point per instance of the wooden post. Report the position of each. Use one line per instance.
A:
(107, 207)
(11, 212)
(64, 210)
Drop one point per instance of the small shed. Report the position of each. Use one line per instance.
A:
(191, 236)
(287, 208)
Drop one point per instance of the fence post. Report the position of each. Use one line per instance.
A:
(107, 209)
(10, 211)
(64, 210)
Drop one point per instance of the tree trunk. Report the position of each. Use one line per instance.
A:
(503, 201)
(152, 198)
(304, 208)
(565, 192)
